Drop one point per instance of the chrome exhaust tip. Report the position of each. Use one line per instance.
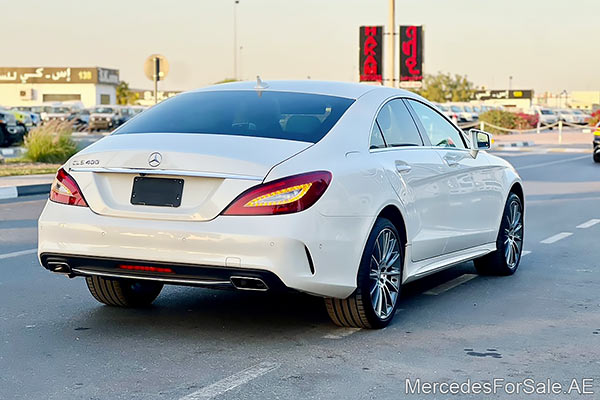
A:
(60, 267)
(248, 283)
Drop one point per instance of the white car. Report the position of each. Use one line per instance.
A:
(546, 115)
(344, 191)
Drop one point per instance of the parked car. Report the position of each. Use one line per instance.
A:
(470, 109)
(584, 118)
(80, 119)
(344, 191)
(23, 119)
(35, 117)
(109, 117)
(10, 131)
(446, 111)
(57, 113)
(546, 115)
(463, 116)
(596, 143)
(570, 116)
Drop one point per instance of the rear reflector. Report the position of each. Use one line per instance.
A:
(146, 268)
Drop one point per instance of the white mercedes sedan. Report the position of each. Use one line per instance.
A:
(340, 190)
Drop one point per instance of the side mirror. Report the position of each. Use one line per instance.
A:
(480, 140)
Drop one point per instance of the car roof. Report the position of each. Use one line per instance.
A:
(331, 88)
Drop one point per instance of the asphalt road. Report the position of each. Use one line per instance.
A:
(543, 323)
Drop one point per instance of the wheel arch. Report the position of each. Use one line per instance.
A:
(393, 214)
(517, 188)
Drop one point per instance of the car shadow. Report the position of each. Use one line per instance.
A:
(188, 311)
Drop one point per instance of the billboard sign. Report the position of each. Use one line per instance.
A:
(371, 53)
(502, 94)
(25, 75)
(411, 56)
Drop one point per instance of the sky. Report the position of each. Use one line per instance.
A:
(545, 45)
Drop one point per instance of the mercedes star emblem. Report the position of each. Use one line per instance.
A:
(155, 159)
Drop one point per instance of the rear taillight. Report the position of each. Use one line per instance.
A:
(64, 190)
(283, 196)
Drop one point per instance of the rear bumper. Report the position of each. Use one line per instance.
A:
(170, 273)
(306, 251)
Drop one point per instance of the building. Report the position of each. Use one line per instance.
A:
(587, 100)
(32, 86)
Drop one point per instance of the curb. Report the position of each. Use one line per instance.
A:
(12, 192)
(542, 150)
(516, 144)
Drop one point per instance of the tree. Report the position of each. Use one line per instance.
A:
(125, 95)
(445, 87)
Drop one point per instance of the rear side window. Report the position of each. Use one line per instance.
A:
(397, 125)
(280, 115)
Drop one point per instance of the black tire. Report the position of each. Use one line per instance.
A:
(597, 156)
(3, 136)
(123, 293)
(359, 310)
(497, 262)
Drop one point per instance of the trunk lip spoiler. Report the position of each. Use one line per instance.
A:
(168, 172)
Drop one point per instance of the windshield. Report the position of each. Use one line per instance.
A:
(103, 110)
(455, 108)
(468, 109)
(444, 108)
(280, 115)
(59, 110)
(547, 112)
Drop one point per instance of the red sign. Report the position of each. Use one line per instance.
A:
(411, 53)
(371, 53)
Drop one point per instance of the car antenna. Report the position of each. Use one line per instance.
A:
(260, 84)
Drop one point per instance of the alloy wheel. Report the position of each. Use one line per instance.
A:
(385, 272)
(513, 242)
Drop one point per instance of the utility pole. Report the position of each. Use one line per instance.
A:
(235, 47)
(510, 82)
(391, 67)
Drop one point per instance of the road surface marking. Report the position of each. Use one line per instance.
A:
(556, 238)
(341, 333)
(17, 253)
(525, 252)
(231, 382)
(588, 224)
(551, 163)
(444, 287)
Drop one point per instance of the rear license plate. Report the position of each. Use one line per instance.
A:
(161, 192)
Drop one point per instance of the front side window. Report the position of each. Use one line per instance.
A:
(441, 133)
(397, 125)
(267, 114)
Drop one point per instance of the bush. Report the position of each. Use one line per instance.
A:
(506, 120)
(50, 143)
(531, 120)
(594, 118)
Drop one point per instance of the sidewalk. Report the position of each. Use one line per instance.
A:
(569, 137)
(16, 186)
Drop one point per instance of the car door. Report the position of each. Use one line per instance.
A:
(469, 181)
(414, 171)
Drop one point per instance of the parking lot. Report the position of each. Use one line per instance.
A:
(57, 342)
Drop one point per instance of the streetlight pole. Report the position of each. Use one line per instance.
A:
(391, 43)
(510, 82)
(235, 47)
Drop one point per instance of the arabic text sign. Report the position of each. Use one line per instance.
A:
(24, 75)
(411, 54)
(502, 94)
(371, 53)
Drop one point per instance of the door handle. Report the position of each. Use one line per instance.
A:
(403, 167)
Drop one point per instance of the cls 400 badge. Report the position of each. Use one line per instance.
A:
(85, 163)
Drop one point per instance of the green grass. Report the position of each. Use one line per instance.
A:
(18, 166)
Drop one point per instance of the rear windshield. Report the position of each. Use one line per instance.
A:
(280, 115)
